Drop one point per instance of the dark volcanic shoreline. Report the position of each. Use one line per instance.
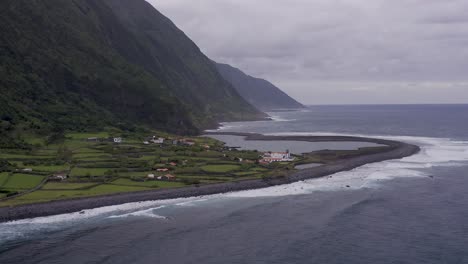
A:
(396, 150)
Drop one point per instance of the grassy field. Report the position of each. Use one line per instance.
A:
(22, 181)
(53, 168)
(150, 184)
(4, 178)
(7, 156)
(244, 173)
(203, 178)
(84, 136)
(66, 186)
(99, 168)
(222, 168)
(139, 174)
(87, 150)
(89, 171)
(92, 155)
(49, 195)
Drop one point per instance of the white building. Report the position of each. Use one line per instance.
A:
(157, 140)
(118, 140)
(277, 157)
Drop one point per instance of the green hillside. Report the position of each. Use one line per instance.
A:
(87, 64)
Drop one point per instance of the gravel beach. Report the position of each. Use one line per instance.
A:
(397, 150)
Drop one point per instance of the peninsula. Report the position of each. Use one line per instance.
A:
(227, 170)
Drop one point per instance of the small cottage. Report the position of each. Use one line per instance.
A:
(169, 177)
(58, 177)
(157, 140)
(187, 142)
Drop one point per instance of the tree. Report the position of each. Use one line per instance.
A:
(64, 154)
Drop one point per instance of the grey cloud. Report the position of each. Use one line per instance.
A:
(300, 44)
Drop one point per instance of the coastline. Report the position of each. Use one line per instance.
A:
(396, 150)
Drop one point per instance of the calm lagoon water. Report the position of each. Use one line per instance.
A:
(296, 147)
(413, 210)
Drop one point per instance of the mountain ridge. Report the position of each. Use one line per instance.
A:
(259, 92)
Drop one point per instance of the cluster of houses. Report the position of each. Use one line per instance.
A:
(150, 140)
(166, 177)
(270, 157)
(162, 173)
(176, 142)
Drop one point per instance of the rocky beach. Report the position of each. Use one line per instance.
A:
(395, 150)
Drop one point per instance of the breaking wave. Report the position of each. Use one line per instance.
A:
(434, 152)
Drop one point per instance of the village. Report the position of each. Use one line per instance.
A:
(94, 164)
(162, 171)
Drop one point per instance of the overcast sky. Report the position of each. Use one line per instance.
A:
(337, 51)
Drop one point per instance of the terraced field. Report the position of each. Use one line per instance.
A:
(103, 167)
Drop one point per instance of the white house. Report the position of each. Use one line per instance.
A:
(151, 176)
(117, 140)
(277, 157)
(157, 140)
(58, 177)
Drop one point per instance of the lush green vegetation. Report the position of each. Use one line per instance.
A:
(151, 184)
(67, 186)
(118, 63)
(22, 181)
(103, 167)
(49, 195)
(220, 168)
(4, 178)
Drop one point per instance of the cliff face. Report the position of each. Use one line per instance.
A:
(79, 64)
(260, 93)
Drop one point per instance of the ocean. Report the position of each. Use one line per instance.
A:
(413, 210)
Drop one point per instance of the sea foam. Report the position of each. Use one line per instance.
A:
(434, 152)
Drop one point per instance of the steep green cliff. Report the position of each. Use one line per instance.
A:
(86, 64)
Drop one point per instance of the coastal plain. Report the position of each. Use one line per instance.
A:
(101, 173)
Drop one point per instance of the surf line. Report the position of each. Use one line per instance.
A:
(395, 150)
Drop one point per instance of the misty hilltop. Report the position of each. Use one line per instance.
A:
(91, 63)
(259, 92)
